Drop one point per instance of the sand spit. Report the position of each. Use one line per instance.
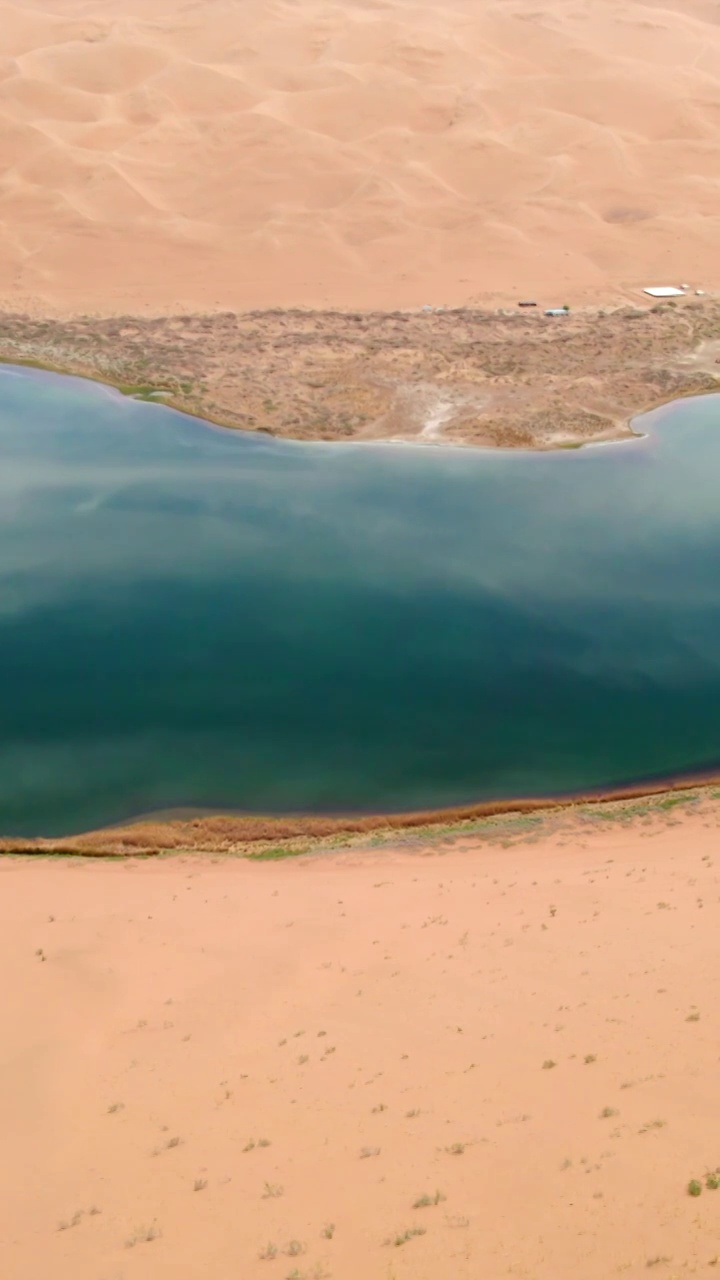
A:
(164, 155)
(457, 1058)
(446, 377)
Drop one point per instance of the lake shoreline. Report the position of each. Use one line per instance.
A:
(450, 377)
(268, 837)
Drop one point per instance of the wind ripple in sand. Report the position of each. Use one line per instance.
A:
(165, 154)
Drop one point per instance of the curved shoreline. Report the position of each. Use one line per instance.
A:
(503, 379)
(151, 393)
(253, 835)
(156, 394)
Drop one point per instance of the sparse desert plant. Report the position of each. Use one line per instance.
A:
(366, 1152)
(268, 1253)
(455, 1148)
(403, 1236)
(548, 1064)
(294, 1248)
(694, 1187)
(693, 1017)
(249, 1146)
(589, 1058)
(75, 1221)
(272, 1191)
(172, 1143)
(263, 1142)
(607, 1113)
(712, 1180)
(424, 1202)
(381, 1106)
(199, 1184)
(143, 1235)
(328, 1231)
(410, 1115)
(115, 1107)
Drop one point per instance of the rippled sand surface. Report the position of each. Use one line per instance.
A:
(158, 154)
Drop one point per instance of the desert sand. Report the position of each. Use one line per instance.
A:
(165, 154)
(214, 1068)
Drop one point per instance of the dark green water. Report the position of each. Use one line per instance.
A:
(194, 617)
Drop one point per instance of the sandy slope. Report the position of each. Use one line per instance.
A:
(363, 1013)
(212, 153)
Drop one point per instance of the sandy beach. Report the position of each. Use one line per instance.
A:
(160, 155)
(453, 1058)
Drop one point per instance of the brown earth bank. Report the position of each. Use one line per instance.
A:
(511, 379)
(470, 1056)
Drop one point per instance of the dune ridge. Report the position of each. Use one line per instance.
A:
(159, 155)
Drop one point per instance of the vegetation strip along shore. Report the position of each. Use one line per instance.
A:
(266, 837)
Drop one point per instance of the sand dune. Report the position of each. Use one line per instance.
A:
(160, 155)
(511, 1050)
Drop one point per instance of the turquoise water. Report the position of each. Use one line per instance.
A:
(196, 617)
